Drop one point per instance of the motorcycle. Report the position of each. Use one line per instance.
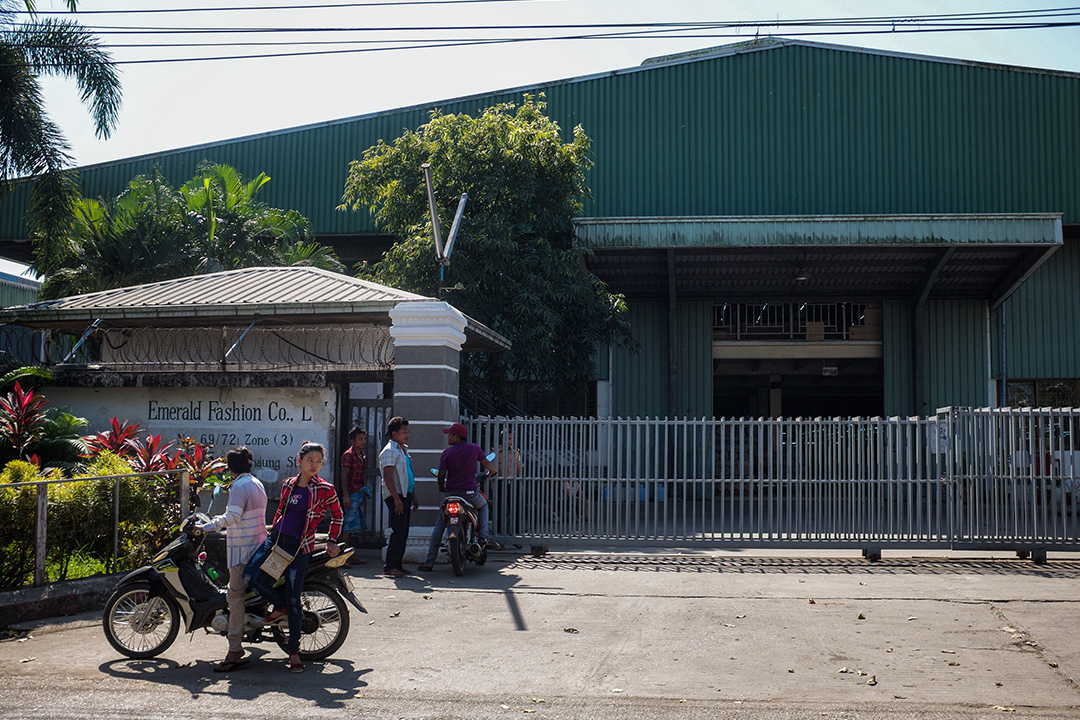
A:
(142, 617)
(462, 542)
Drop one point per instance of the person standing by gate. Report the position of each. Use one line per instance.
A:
(353, 485)
(457, 476)
(398, 493)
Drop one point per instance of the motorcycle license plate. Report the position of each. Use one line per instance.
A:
(347, 581)
(453, 521)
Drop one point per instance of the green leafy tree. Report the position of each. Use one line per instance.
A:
(30, 143)
(153, 231)
(514, 265)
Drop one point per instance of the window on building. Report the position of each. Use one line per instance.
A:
(1042, 393)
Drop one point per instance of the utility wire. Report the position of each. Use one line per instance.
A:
(869, 25)
(435, 44)
(951, 18)
(263, 8)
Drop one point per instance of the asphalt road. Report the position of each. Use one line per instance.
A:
(599, 635)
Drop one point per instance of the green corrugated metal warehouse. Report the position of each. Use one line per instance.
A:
(800, 229)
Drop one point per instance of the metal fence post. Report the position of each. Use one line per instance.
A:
(39, 534)
(116, 526)
(185, 487)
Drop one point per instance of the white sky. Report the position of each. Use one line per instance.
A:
(175, 105)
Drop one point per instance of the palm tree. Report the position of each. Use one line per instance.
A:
(155, 232)
(30, 143)
(127, 241)
(228, 228)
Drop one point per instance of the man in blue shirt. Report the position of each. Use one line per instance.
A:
(398, 485)
(457, 476)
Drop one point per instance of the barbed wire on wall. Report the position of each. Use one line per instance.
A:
(210, 349)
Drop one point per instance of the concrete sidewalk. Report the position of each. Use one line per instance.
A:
(643, 631)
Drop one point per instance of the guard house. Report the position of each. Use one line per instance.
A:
(263, 357)
(799, 228)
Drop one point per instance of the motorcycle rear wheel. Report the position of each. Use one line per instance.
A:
(324, 627)
(138, 624)
(456, 550)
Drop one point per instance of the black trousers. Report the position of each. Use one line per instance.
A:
(399, 533)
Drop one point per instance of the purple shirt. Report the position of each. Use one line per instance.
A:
(296, 512)
(459, 461)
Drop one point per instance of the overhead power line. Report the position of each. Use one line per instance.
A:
(263, 8)
(413, 37)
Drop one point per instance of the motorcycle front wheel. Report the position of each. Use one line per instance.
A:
(324, 627)
(138, 624)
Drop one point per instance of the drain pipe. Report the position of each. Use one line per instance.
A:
(673, 336)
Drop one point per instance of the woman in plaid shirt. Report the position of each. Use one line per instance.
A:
(305, 500)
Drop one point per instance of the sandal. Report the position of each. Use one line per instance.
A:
(395, 573)
(274, 617)
(229, 665)
(426, 567)
(295, 665)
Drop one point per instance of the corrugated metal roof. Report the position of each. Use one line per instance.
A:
(298, 295)
(777, 128)
(830, 230)
(868, 257)
(247, 286)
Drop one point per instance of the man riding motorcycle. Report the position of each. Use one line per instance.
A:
(457, 476)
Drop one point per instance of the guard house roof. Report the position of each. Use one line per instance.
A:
(286, 295)
(973, 256)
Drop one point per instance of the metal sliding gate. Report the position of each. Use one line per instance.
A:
(962, 479)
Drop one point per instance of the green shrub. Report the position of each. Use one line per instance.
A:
(18, 509)
(82, 515)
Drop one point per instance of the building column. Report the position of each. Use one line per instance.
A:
(428, 336)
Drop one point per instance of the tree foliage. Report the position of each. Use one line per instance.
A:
(31, 144)
(153, 231)
(514, 266)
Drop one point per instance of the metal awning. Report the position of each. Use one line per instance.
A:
(973, 256)
(277, 296)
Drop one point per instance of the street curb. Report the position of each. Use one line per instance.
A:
(66, 597)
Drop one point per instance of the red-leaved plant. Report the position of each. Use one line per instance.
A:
(150, 456)
(114, 440)
(203, 467)
(22, 418)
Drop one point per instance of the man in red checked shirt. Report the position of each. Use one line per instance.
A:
(353, 485)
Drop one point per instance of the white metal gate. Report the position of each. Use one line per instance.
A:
(964, 478)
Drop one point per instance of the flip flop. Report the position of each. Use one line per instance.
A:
(229, 665)
(426, 567)
(395, 573)
(296, 666)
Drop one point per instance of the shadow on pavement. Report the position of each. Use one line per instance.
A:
(329, 683)
(804, 566)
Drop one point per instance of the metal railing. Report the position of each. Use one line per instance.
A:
(963, 478)
(810, 322)
(41, 514)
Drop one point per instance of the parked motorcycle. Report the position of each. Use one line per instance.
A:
(142, 618)
(462, 542)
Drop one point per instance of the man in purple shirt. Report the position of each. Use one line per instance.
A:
(457, 476)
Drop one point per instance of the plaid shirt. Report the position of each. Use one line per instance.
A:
(323, 499)
(355, 466)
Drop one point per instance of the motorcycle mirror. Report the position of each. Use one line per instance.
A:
(491, 457)
(217, 491)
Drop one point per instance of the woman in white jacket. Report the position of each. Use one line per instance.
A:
(245, 518)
